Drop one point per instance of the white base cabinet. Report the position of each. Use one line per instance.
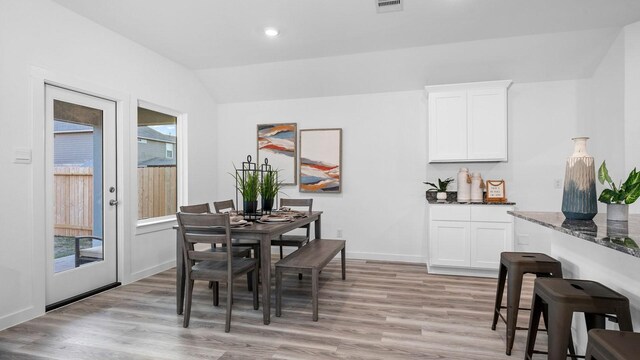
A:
(468, 239)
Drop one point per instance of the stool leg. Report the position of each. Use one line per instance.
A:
(559, 332)
(557, 273)
(502, 276)
(534, 322)
(588, 355)
(545, 316)
(624, 319)
(594, 321)
(513, 303)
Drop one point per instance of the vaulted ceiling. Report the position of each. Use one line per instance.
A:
(430, 41)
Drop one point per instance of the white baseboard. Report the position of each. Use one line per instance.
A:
(384, 257)
(139, 275)
(437, 270)
(20, 316)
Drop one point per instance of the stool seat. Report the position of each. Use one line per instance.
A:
(584, 295)
(613, 345)
(526, 257)
(515, 265)
(576, 291)
(563, 297)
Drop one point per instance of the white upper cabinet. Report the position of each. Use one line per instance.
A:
(447, 124)
(468, 122)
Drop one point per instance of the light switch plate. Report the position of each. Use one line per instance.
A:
(22, 156)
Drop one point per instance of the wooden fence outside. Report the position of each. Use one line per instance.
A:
(157, 193)
(73, 186)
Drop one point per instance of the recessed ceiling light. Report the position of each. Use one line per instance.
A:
(271, 32)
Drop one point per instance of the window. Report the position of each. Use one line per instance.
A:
(169, 151)
(157, 164)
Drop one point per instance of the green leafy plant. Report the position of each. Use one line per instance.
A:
(248, 186)
(442, 185)
(270, 185)
(625, 193)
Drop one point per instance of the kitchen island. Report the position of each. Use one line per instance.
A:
(598, 250)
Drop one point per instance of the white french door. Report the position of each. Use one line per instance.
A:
(81, 194)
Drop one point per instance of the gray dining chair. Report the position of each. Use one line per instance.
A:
(238, 251)
(228, 206)
(212, 266)
(293, 239)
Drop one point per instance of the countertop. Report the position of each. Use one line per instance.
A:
(447, 202)
(452, 199)
(616, 235)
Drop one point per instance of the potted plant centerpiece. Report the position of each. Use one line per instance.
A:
(269, 189)
(249, 186)
(618, 197)
(441, 188)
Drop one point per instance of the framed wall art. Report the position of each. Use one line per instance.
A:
(321, 160)
(496, 191)
(278, 143)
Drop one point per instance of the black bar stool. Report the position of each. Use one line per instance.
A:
(613, 345)
(516, 264)
(563, 297)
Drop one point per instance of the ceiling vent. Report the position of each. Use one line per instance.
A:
(384, 6)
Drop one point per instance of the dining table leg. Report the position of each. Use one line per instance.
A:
(318, 229)
(265, 270)
(179, 274)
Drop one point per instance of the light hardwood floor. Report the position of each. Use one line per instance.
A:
(382, 311)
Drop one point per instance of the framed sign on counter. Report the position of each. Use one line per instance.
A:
(496, 191)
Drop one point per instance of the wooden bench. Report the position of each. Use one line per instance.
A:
(311, 258)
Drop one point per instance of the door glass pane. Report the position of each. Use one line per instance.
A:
(77, 156)
(157, 164)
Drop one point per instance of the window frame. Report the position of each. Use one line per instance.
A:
(156, 223)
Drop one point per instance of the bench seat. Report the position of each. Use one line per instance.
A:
(311, 258)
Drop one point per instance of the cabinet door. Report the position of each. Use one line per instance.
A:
(447, 126)
(488, 240)
(487, 124)
(449, 243)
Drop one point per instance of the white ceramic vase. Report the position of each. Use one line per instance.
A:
(477, 188)
(579, 200)
(464, 185)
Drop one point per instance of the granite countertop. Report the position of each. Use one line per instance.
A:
(452, 199)
(616, 235)
(447, 202)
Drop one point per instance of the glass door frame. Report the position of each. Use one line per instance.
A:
(105, 272)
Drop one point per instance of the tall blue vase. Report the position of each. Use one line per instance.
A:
(579, 200)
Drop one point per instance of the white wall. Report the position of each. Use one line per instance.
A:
(543, 117)
(380, 209)
(385, 160)
(631, 103)
(42, 34)
(604, 122)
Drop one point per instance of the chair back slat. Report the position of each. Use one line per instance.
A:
(221, 206)
(207, 255)
(196, 209)
(204, 235)
(204, 228)
(308, 203)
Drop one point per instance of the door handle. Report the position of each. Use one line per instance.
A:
(113, 202)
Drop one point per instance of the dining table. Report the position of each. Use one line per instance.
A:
(264, 232)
